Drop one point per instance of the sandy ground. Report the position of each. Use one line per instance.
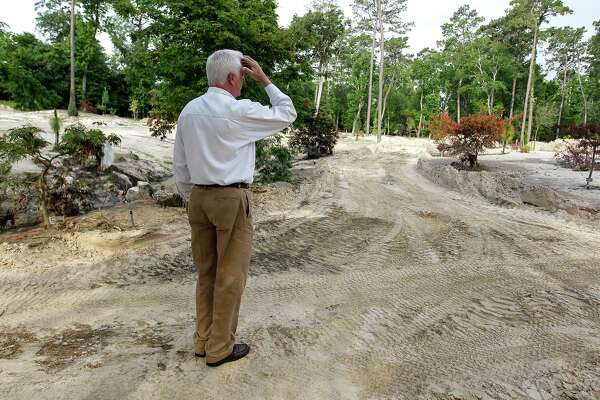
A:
(367, 282)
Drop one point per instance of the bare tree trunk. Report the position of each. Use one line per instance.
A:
(493, 92)
(585, 108)
(530, 122)
(72, 101)
(458, 101)
(529, 81)
(381, 60)
(387, 93)
(320, 88)
(420, 116)
(531, 105)
(369, 101)
(337, 120)
(43, 199)
(84, 85)
(562, 101)
(354, 125)
(512, 99)
(589, 178)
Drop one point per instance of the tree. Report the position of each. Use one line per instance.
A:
(379, 17)
(28, 72)
(72, 101)
(531, 14)
(321, 28)
(55, 124)
(426, 71)
(565, 47)
(468, 138)
(459, 34)
(545, 117)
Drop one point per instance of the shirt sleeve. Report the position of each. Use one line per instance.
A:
(258, 121)
(180, 168)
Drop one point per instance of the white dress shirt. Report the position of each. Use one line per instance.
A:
(215, 137)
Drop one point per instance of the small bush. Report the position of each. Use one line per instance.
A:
(577, 156)
(84, 143)
(273, 161)
(160, 127)
(316, 138)
(469, 138)
(525, 148)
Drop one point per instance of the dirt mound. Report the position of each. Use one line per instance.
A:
(500, 187)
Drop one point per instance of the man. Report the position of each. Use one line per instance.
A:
(214, 160)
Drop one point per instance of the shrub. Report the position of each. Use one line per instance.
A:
(589, 142)
(273, 161)
(316, 138)
(469, 138)
(508, 135)
(26, 142)
(84, 143)
(525, 148)
(55, 124)
(575, 155)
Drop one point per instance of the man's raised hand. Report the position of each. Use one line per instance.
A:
(252, 68)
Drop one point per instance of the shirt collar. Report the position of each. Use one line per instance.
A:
(214, 89)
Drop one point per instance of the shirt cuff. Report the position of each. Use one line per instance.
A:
(185, 190)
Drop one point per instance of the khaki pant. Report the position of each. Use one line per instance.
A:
(222, 230)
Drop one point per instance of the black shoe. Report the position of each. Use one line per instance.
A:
(201, 355)
(240, 350)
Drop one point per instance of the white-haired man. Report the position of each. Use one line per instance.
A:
(214, 160)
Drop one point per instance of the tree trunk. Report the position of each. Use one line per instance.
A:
(319, 89)
(356, 119)
(84, 85)
(562, 100)
(529, 81)
(369, 101)
(458, 101)
(493, 93)
(420, 126)
(72, 101)
(589, 178)
(512, 99)
(43, 199)
(531, 105)
(530, 122)
(381, 60)
(387, 93)
(585, 108)
(337, 119)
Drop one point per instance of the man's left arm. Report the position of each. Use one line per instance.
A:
(258, 121)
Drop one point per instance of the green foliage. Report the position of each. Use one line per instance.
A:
(84, 143)
(134, 107)
(273, 161)
(316, 138)
(20, 143)
(103, 106)
(55, 124)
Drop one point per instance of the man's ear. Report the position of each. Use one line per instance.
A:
(231, 78)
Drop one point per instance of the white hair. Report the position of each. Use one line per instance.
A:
(220, 64)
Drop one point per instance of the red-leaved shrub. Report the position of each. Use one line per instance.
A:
(469, 138)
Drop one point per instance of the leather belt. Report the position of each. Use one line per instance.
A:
(239, 185)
